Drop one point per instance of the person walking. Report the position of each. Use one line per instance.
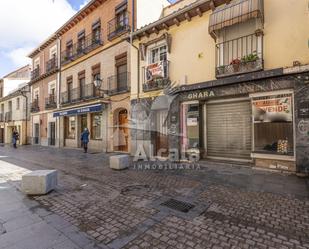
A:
(84, 137)
(15, 137)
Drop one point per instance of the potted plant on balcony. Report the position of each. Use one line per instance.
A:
(235, 64)
(249, 61)
(221, 70)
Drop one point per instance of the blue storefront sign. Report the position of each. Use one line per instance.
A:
(78, 111)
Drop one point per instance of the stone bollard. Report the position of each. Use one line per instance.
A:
(39, 182)
(119, 162)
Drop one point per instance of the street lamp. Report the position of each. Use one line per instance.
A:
(97, 82)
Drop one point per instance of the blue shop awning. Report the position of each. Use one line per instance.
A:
(79, 111)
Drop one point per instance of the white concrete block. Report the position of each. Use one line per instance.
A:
(119, 162)
(39, 182)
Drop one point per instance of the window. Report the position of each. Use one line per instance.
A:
(121, 17)
(121, 70)
(96, 74)
(82, 84)
(158, 54)
(70, 88)
(96, 121)
(273, 124)
(96, 32)
(70, 127)
(69, 49)
(17, 103)
(81, 41)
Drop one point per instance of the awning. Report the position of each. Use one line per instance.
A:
(79, 111)
(235, 12)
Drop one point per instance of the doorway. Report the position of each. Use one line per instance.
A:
(52, 133)
(1, 135)
(121, 133)
(36, 133)
(160, 133)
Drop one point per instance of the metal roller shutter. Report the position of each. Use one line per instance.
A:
(229, 129)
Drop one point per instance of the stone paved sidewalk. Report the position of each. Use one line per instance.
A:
(234, 206)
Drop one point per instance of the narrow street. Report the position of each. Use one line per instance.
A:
(223, 206)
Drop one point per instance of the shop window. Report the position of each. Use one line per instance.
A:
(96, 122)
(70, 127)
(190, 125)
(273, 124)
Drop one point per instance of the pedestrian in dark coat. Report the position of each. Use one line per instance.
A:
(84, 137)
(15, 137)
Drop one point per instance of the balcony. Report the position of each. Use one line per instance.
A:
(80, 94)
(8, 116)
(90, 43)
(118, 84)
(35, 106)
(51, 65)
(156, 76)
(238, 56)
(50, 102)
(118, 27)
(35, 73)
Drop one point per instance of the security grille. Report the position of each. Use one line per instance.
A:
(178, 205)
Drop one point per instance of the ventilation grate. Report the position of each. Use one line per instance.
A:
(178, 205)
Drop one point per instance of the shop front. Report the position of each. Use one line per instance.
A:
(255, 122)
(74, 121)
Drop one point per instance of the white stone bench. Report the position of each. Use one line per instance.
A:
(39, 182)
(119, 162)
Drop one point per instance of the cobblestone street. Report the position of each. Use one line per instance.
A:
(231, 206)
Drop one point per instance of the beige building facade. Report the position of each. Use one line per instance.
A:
(220, 80)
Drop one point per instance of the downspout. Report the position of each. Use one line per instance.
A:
(58, 85)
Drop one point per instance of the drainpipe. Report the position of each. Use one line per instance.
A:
(58, 85)
(138, 66)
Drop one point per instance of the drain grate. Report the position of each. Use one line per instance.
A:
(178, 205)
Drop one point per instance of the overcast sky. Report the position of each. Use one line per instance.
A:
(26, 23)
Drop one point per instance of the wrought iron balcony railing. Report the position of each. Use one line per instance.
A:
(35, 106)
(156, 76)
(80, 94)
(241, 55)
(117, 27)
(8, 116)
(35, 73)
(90, 42)
(51, 102)
(119, 83)
(51, 65)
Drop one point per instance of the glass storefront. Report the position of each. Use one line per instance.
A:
(96, 122)
(273, 124)
(70, 125)
(190, 126)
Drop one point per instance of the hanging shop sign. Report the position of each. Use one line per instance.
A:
(79, 111)
(155, 70)
(273, 109)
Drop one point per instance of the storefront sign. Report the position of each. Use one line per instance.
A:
(200, 95)
(78, 111)
(155, 70)
(192, 121)
(303, 110)
(273, 109)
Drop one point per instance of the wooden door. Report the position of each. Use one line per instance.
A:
(123, 131)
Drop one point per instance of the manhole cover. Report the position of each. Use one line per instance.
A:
(178, 205)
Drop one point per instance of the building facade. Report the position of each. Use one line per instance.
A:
(14, 115)
(14, 105)
(212, 82)
(44, 92)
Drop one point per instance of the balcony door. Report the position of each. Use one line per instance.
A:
(122, 77)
